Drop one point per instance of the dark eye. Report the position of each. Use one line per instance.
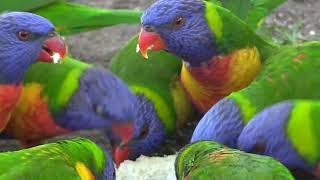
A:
(144, 132)
(98, 109)
(258, 148)
(24, 35)
(179, 22)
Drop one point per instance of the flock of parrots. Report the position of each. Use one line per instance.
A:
(259, 100)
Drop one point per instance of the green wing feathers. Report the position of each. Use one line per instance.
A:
(156, 78)
(250, 11)
(80, 18)
(60, 160)
(227, 27)
(210, 160)
(283, 77)
(83, 18)
(64, 79)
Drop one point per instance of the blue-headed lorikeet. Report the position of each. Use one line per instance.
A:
(59, 98)
(216, 41)
(287, 131)
(163, 105)
(223, 54)
(288, 74)
(24, 38)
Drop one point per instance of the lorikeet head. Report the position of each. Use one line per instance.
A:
(24, 38)
(101, 101)
(266, 134)
(180, 27)
(189, 156)
(147, 136)
(32, 36)
(225, 116)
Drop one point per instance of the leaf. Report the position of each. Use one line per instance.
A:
(72, 18)
(251, 11)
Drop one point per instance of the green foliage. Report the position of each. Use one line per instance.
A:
(71, 18)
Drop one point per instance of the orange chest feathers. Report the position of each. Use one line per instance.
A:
(31, 119)
(206, 85)
(9, 96)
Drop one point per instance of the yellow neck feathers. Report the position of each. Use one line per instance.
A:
(206, 85)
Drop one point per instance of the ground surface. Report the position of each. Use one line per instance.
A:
(296, 20)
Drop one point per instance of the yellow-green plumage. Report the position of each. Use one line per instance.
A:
(210, 160)
(289, 74)
(68, 159)
(158, 80)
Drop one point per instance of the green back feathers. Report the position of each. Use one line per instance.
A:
(250, 11)
(283, 77)
(303, 129)
(210, 160)
(59, 81)
(155, 78)
(53, 161)
(18, 5)
(233, 33)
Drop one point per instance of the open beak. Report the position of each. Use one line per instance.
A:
(149, 41)
(120, 154)
(53, 50)
(122, 151)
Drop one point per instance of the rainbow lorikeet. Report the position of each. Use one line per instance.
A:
(68, 159)
(219, 45)
(288, 74)
(287, 131)
(163, 105)
(24, 38)
(211, 160)
(216, 41)
(57, 99)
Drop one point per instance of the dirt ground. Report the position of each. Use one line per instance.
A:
(99, 46)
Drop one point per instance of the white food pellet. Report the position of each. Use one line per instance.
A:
(147, 168)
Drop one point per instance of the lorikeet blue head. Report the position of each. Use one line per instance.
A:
(222, 123)
(180, 27)
(24, 38)
(101, 101)
(147, 136)
(266, 134)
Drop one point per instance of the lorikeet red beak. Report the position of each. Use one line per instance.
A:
(54, 49)
(149, 41)
(121, 152)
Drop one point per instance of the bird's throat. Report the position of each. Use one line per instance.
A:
(207, 84)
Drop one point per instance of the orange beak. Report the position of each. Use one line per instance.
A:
(120, 154)
(149, 41)
(125, 132)
(53, 50)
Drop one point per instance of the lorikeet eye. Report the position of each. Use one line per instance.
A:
(98, 109)
(258, 148)
(24, 35)
(144, 132)
(179, 21)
